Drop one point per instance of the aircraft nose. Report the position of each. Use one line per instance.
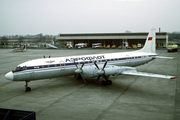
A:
(9, 76)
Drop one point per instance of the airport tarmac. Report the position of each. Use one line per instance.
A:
(63, 98)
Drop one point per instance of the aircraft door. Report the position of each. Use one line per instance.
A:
(62, 65)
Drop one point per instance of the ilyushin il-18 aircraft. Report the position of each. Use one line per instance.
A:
(89, 66)
(19, 49)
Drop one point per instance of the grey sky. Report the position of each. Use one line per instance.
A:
(24, 17)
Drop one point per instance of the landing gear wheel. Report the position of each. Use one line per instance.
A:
(28, 89)
(108, 82)
(103, 82)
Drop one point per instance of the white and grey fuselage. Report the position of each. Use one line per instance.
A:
(64, 66)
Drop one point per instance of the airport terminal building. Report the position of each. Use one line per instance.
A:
(118, 39)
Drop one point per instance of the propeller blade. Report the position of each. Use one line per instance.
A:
(82, 77)
(76, 76)
(75, 64)
(82, 65)
(44, 56)
(49, 56)
(96, 65)
(105, 77)
(98, 78)
(104, 65)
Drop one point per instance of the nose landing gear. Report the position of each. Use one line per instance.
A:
(27, 89)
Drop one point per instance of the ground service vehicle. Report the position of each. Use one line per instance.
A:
(69, 45)
(171, 48)
(108, 46)
(134, 46)
(128, 47)
(120, 47)
(96, 45)
(81, 45)
(113, 46)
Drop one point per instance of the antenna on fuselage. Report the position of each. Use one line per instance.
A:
(45, 56)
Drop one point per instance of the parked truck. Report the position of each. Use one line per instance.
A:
(69, 45)
(172, 48)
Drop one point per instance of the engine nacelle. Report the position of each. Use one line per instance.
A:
(92, 71)
(110, 71)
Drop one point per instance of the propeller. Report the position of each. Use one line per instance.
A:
(79, 71)
(101, 72)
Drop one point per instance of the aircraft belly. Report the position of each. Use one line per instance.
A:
(40, 74)
(132, 62)
(140, 62)
(44, 74)
(52, 73)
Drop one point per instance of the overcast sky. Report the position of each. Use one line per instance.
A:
(22, 17)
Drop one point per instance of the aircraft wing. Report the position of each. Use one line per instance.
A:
(134, 72)
(164, 57)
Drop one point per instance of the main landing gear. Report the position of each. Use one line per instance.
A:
(27, 89)
(107, 82)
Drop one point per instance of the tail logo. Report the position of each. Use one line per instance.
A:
(149, 38)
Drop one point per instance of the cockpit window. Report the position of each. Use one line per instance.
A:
(20, 68)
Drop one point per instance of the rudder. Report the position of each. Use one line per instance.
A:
(150, 44)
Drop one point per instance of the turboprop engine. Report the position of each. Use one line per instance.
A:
(101, 71)
(93, 71)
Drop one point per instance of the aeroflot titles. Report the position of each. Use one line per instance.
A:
(85, 58)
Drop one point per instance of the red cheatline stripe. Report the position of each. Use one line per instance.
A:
(173, 77)
(149, 38)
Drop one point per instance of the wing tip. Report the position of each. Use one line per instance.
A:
(174, 58)
(173, 77)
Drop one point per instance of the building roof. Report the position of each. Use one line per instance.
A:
(86, 36)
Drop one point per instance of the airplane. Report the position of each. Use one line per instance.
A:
(89, 66)
(49, 46)
(19, 49)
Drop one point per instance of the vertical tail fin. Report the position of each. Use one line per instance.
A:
(150, 44)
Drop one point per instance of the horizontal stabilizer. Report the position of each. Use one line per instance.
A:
(164, 57)
(147, 74)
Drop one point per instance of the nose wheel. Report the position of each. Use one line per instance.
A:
(27, 89)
